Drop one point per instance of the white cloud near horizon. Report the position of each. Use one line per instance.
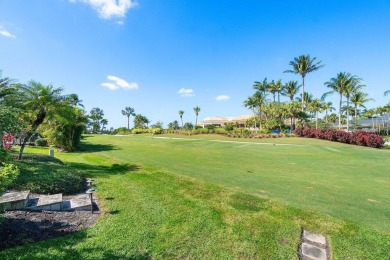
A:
(108, 9)
(117, 83)
(222, 98)
(186, 92)
(6, 33)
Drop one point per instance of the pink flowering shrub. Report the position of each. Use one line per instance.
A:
(358, 138)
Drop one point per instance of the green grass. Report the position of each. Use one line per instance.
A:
(167, 198)
(44, 174)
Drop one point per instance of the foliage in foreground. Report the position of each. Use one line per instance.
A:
(45, 174)
(8, 174)
(358, 138)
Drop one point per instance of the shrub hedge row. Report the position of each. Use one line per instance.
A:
(357, 138)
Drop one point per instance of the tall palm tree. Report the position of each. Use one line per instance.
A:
(308, 97)
(262, 86)
(328, 106)
(353, 85)
(291, 89)
(278, 87)
(181, 113)
(39, 101)
(196, 110)
(303, 65)
(337, 85)
(128, 111)
(358, 99)
(316, 106)
(272, 88)
(256, 103)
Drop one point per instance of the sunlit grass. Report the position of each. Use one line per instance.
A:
(165, 198)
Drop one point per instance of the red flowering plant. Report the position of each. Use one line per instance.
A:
(8, 139)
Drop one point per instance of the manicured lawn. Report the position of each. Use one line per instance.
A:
(175, 198)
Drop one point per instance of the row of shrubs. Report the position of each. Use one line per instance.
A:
(361, 138)
(236, 133)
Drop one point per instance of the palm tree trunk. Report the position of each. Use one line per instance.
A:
(355, 117)
(347, 114)
(341, 97)
(316, 120)
(128, 123)
(326, 115)
(26, 138)
(303, 93)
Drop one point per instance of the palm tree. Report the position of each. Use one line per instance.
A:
(353, 85)
(39, 101)
(278, 87)
(96, 114)
(104, 122)
(316, 106)
(328, 107)
(291, 89)
(387, 93)
(358, 99)
(129, 111)
(272, 88)
(261, 86)
(337, 84)
(181, 113)
(196, 110)
(303, 65)
(308, 97)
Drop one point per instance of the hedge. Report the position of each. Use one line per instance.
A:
(361, 138)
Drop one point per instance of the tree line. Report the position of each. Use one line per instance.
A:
(304, 108)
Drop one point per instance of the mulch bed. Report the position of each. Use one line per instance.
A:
(22, 227)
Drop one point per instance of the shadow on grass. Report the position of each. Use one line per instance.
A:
(94, 148)
(65, 249)
(101, 171)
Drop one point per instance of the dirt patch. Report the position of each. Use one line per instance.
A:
(22, 227)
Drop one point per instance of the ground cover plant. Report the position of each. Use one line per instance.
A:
(44, 174)
(215, 198)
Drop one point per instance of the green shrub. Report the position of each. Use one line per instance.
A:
(8, 174)
(45, 174)
(41, 142)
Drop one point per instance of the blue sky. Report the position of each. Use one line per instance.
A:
(160, 57)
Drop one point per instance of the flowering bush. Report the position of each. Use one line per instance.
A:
(358, 138)
(7, 141)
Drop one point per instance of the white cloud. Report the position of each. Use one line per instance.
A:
(117, 83)
(6, 33)
(222, 98)
(108, 9)
(186, 92)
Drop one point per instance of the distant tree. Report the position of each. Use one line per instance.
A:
(353, 85)
(104, 122)
(181, 112)
(188, 126)
(140, 121)
(303, 65)
(316, 106)
(358, 99)
(291, 89)
(196, 110)
(328, 106)
(173, 125)
(262, 86)
(158, 124)
(96, 114)
(128, 111)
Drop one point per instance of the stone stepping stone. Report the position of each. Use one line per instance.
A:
(313, 247)
(46, 202)
(14, 200)
(78, 202)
